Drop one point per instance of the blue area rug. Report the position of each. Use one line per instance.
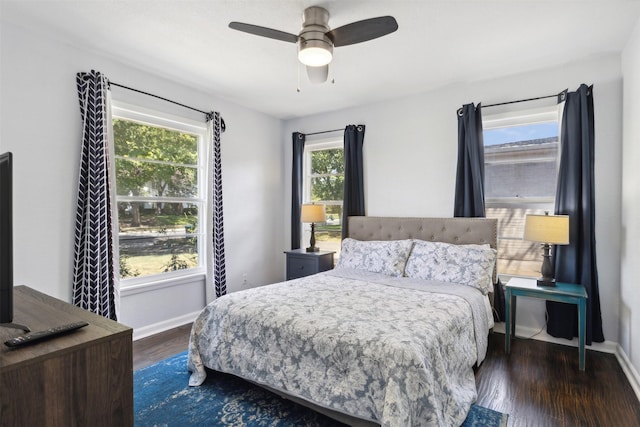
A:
(162, 397)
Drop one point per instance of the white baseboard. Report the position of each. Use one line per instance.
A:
(606, 347)
(536, 334)
(165, 325)
(629, 370)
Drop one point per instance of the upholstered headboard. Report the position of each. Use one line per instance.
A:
(459, 231)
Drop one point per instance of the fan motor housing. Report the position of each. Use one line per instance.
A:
(315, 48)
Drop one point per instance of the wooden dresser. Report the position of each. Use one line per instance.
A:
(84, 378)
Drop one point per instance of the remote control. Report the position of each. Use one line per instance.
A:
(42, 335)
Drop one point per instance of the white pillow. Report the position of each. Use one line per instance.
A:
(385, 257)
(470, 265)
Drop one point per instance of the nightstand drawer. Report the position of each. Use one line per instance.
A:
(301, 263)
(300, 267)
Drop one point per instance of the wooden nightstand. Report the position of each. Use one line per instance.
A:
(301, 263)
(562, 292)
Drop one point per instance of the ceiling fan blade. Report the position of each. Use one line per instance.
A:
(318, 74)
(264, 32)
(361, 31)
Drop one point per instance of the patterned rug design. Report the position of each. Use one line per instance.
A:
(163, 398)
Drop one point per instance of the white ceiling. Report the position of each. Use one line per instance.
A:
(438, 43)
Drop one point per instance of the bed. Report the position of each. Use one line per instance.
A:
(389, 337)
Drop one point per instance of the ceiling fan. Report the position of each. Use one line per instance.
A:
(316, 40)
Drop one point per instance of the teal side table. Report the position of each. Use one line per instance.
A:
(563, 292)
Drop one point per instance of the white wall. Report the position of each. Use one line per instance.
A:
(40, 124)
(410, 160)
(629, 337)
(411, 146)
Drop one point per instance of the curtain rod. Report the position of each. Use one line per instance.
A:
(321, 132)
(222, 124)
(560, 96)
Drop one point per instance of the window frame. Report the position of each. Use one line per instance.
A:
(521, 118)
(145, 116)
(309, 147)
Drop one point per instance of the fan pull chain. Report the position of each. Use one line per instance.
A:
(298, 88)
(332, 69)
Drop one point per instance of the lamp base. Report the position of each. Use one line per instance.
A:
(312, 241)
(546, 271)
(550, 283)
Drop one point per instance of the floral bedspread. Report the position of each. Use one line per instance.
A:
(395, 351)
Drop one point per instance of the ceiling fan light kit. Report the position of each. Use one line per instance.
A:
(316, 40)
(315, 49)
(314, 56)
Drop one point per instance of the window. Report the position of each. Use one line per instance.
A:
(159, 195)
(324, 184)
(521, 154)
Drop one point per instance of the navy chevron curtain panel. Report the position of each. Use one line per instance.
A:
(216, 269)
(95, 284)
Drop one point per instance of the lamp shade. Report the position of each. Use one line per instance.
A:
(312, 213)
(552, 229)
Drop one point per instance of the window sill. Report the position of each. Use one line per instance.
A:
(160, 283)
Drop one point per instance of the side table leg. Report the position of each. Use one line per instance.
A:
(582, 328)
(514, 307)
(507, 321)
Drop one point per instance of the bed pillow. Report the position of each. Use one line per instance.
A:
(385, 257)
(470, 265)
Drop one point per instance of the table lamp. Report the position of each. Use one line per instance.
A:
(312, 213)
(549, 230)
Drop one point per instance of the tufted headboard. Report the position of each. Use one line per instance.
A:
(459, 231)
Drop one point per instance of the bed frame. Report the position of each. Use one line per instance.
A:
(458, 231)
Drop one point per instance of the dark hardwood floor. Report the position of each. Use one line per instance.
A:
(147, 351)
(538, 384)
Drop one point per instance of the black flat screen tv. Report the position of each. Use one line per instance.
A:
(6, 239)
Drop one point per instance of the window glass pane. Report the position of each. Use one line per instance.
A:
(157, 237)
(135, 218)
(324, 184)
(327, 188)
(157, 166)
(525, 132)
(148, 142)
(329, 233)
(139, 178)
(327, 161)
(148, 254)
(516, 257)
(517, 166)
(520, 178)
